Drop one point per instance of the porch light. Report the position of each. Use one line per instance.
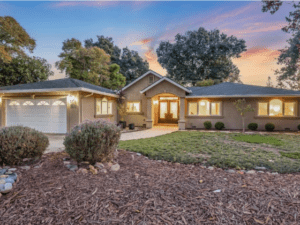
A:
(155, 102)
(0, 99)
(71, 98)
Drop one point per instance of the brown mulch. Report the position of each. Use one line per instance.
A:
(145, 191)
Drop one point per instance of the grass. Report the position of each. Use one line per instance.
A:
(277, 152)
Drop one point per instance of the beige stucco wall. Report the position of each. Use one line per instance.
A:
(232, 119)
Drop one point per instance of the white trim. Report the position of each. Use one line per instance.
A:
(141, 77)
(166, 79)
(58, 89)
(240, 96)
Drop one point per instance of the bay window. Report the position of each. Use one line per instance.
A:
(204, 108)
(277, 108)
(103, 106)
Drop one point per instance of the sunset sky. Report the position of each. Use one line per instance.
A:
(143, 25)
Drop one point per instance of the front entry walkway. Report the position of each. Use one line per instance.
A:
(153, 132)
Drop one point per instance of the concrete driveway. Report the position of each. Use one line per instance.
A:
(56, 140)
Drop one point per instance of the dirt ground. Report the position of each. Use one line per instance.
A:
(145, 191)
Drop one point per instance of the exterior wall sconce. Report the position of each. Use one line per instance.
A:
(71, 99)
(155, 102)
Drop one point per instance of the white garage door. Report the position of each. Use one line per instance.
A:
(46, 115)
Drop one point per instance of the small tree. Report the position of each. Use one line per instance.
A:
(243, 108)
(121, 105)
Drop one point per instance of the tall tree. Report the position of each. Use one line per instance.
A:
(116, 80)
(131, 63)
(14, 40)
(200, 55)
(289, 74)
(88, 64)
(22, 70)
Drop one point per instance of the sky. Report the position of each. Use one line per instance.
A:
(142, 25)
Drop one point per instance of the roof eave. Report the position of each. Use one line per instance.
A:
(240, 96)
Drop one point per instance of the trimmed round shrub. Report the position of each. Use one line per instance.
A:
(252, 126)
(269, 127)
(299, 127)
(207, 125)
(18, 143)
(219, 125)
(93, 141)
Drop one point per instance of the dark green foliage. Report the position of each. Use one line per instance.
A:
(219, 125)
(299, 127)
(269, 127)
(292, 155)
(258, 139)
(252, 126)
(17, 143)
(22, 70)
(93, 141)
(116, 80)
(207, 125)
(200, 55)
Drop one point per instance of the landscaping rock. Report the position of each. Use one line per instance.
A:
(103, 171)
(139, 154)
(82, 171)
(210, 168)
(275, 173)
(36, 167)
(13, 176)
(12, 169)
(115, 167)
(231, 171)
(260, 168)
(9, 180)
(99, 165)
(25, 167)
(3, 171)
(8, 173)
(251, 172)
(217, 191)
(7, 188)
(72, 167)
(260, 171)
(67, 162)
(3, 176)
(2, 181)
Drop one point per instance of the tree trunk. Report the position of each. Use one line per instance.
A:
(243, 118)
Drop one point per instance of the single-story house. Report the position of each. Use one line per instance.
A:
(56, 106)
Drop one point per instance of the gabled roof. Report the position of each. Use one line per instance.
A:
(165, 79)
(141, 77)
(66, 84)
(228, 89)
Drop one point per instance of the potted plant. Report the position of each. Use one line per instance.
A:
(122, 109)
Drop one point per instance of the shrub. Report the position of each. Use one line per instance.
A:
(269, 126)
(207, 125)
(252, 126)
(299, 127)
(219, 125)
(93, 141)
(18, 143)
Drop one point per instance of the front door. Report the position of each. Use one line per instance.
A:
(168, 111)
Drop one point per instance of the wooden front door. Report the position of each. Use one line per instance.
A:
(168, 111)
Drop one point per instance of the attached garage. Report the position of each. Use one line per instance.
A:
(46, 115)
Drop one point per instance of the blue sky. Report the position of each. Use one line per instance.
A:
(142, 25)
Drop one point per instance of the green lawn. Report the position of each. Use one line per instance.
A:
(277, 152)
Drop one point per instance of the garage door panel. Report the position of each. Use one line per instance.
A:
(39, 114)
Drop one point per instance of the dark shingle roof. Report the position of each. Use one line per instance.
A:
(235, 89)
(57, 84)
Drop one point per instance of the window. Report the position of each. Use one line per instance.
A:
(58, 103)
(133, 106)
(262, 108)
(204, 108)
(193, 108)
(103, 106)
(28, 103)
(168, 98)
(277, 108)
(14, 103)
(289, 108)
(215, 108)
(43, 103)
(151, 79)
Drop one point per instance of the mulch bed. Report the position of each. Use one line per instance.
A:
(145, 191)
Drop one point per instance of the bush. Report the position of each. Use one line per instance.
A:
(207, 125)
(299, 127)
(252, 126)
(93, 141)
(269, 126)
(18, 143)
(219, 125)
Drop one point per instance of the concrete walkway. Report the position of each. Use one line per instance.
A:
(56, 141)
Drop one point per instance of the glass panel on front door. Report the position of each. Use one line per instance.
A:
(174, 109)
(163, 109)
(168, 112)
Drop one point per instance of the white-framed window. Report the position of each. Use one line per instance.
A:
(277, 108)
(28, 103)
(14, 103)
(43, 103)
(133, 106)
(103, 106)
(204, 108)
(58, 102)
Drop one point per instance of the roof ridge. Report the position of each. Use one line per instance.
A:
(74, 82)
